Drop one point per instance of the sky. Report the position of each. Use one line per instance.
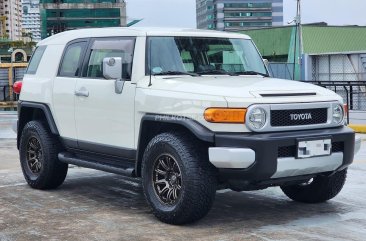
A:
(182, 13)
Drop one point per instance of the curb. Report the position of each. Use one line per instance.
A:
(358, 128)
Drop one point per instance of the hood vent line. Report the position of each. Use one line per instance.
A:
(287, 94)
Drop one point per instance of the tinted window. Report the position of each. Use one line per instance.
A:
(106, 48)
(71, 61)
(202, 55)
(36, 58)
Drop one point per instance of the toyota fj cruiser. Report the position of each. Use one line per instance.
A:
(188, 111)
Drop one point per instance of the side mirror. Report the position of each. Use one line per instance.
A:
(112, 69)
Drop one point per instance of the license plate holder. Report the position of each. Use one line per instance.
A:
(307, 148)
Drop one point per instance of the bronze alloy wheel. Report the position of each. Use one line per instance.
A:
(167, 179)
(34, 155)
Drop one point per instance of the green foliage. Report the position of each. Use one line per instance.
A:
(16, 44)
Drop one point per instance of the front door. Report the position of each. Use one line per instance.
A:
(105, 119)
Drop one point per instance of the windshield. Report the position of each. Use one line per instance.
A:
(200, 55)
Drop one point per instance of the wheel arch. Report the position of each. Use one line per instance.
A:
(153, 124)
(28, 111)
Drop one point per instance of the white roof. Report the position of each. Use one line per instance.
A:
(67, 36)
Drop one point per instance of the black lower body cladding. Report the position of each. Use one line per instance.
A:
(266, 146)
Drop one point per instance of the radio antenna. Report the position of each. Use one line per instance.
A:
(150, 64)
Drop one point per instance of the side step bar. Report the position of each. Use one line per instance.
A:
(71, 159)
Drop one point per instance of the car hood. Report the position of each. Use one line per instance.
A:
(239, 86)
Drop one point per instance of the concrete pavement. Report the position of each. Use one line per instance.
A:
(93, 205)
(7, 118)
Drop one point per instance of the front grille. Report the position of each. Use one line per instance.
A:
(290, 151)
(299, 117)
(287, 151)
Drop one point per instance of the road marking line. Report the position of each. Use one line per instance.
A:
(14, 185)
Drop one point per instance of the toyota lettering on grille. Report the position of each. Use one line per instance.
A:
(304, 116)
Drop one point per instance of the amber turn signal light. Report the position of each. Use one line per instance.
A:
(225, 115)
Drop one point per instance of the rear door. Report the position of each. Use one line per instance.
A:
(105, 119)
(64, 89)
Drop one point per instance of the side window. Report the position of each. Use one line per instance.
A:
(36, 58)
(106, 48)
(71, 61)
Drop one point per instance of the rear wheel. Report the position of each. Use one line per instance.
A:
(38, 152)
(178, 180)
(319, 189)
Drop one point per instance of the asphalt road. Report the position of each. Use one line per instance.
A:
(93, 205)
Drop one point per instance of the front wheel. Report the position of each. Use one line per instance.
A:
(178, 180)
(319, 189)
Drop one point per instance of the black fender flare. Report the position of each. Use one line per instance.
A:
(197, 129)
(34, 105)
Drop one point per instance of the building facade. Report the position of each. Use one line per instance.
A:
(61, 15)
(11, 19)
(236, 15)
(31, 21)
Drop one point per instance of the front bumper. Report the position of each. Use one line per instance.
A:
(258, 157)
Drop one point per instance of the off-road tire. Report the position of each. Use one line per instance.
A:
(321, 189)
(53, 172)
(199, 178)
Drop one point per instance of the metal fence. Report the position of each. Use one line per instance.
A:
(6, 93)
(353, 92)
(9, 73)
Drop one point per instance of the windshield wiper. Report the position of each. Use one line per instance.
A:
(217, 71)
(176, 73)
(250, 72)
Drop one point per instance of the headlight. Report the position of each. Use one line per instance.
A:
(338, 114)
(257, 118)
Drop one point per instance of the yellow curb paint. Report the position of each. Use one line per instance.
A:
(358, 128)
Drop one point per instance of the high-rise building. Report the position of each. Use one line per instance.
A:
(11, 19)
(236, 15)
(31, 22)
(61, 15)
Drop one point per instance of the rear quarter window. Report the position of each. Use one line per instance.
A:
(35, 60)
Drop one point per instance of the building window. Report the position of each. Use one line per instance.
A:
(248, 5)
(248, 14)
(248, 24)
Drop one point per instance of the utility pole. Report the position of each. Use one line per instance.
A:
(11, 73)
(298, 38)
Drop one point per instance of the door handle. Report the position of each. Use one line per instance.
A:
(82, 92)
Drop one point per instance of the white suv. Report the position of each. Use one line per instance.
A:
(188, 111)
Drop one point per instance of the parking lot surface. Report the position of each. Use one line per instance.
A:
(94, 205)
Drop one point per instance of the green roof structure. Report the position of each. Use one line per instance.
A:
(271, 41)
(317, 39)
(334, 39)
